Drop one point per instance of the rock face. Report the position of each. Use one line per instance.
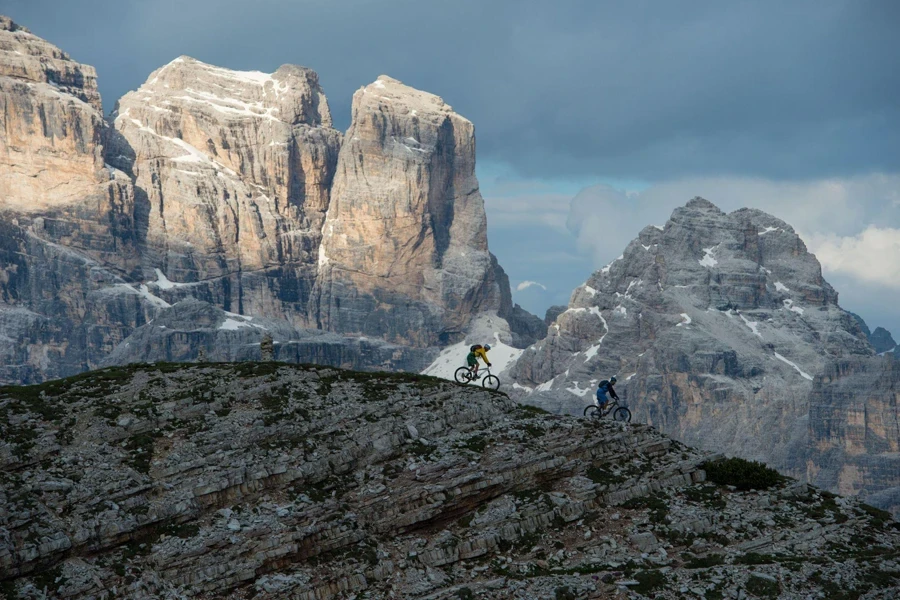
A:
(882, 340)
(189, 328)
(217, 185)
(404, 252)
(717, 326)
(854, 430)
(66, 220)
(276, 481)
(236, 169)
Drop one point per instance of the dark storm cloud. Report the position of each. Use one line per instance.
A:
(647, 90)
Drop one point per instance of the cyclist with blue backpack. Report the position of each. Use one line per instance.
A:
(606, 387)
(475, 352)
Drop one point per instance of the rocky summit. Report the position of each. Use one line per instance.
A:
(267, 480)
(232, 188)
(724, 334)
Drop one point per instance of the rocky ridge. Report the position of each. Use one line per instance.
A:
(720, 327)
(267, 480)
(233, 188)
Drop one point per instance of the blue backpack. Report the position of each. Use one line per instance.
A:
(602, 389)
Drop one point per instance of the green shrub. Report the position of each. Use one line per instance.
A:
(648, 581)
(742, 474)
(564, 593)
(763, 588)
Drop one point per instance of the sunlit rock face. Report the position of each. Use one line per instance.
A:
(404, 252)
(219, 186)
(235, 170)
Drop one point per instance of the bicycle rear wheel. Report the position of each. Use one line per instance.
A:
(622, 414)
(463, 375)
(491, 382)
(591, 411)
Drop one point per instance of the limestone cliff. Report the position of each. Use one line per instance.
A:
(854, 430)
(216, 186)
(404, 253)
(234, 170)
(66, 220)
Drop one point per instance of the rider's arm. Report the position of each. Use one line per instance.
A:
(613, 393)
(483, 354)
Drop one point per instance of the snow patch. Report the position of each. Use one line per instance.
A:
(592, 351)
(768, 230)
(576, 389)
(590, 290)
(453, 357)
(781, 287)
(546, 386)
(802, 374)
(154, 300)
(607, 267)
(789, 304)
(660, 227)
(709, 259)
(686, 320)
(163, 283)
(753, 325)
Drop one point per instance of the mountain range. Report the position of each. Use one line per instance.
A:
(214, 197)
(215, 209)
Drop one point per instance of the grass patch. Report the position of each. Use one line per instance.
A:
(648, 581)
(657, 504)
(705, 562)
(752, 558)
(762, 587)
(140, 451)
(707, 495)
(604, 476)
(476, 443)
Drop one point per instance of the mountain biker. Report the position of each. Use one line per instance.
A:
(606, 387)
(475, 352)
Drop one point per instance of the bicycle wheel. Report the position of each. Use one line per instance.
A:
(463, 375)
(491, 382)
(591, 411)
(622, 414)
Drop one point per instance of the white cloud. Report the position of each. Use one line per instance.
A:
(872, 256)
(605, 219)
(527, 284)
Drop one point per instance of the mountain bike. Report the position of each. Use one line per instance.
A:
(464, 375)
(619, 413)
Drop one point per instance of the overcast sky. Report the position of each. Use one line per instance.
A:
(593, 118)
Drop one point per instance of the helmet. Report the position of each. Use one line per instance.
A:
(487, 346)
(613, 379)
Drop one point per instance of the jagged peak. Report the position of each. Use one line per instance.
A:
(292, 94)
(700, 203)
(387, 90)
(7, 24)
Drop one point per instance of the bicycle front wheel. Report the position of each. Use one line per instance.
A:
(462, 375)
(491, 382)
(591, 411)
(622, 414)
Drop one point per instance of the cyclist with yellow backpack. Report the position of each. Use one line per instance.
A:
(475, 352)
